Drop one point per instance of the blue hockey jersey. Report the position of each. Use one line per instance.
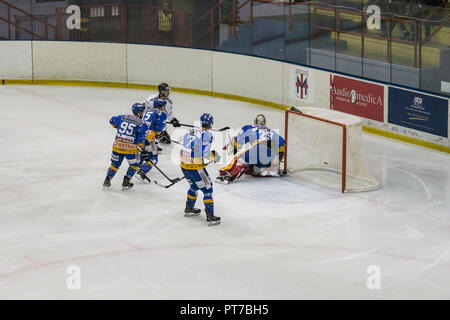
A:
(131, 132)
(263, 144)
(156, 121)
(196, 149)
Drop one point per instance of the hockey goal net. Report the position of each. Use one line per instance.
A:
(327, 140)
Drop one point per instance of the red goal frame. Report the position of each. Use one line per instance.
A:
(344, 140)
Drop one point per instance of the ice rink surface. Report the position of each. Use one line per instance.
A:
(280, 238)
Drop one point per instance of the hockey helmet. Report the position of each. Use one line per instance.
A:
(138, 108)
(159, 103)
(163, 87)
(207, 120)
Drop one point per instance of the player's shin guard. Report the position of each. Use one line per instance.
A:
(111, 171)
(146, 167)
(190, 210)
(209, 204)
(191, 198)
(131, 171)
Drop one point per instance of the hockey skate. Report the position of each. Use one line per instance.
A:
(211, 219)
(126, 184)
(191, 212)
(142, 176)
(107, 183)
(223, 179)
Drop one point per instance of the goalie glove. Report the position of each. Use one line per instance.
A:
(175, 122)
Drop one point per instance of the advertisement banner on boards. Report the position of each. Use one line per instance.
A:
(356, 97)
(418, 111)
(302, 84)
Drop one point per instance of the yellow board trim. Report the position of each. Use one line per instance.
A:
(367, 129)
(415, 141)
(141, 86)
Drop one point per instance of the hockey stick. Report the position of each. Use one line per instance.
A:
(173, 181)
(176, 180)
(191, 126)
(177, 142)
(229, 144)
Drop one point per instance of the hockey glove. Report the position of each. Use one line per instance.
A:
(164, 137)
(175, 122)
(145, 155)
(215, 157)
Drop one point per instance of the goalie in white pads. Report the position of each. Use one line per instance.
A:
(163, 93)
(258, 151)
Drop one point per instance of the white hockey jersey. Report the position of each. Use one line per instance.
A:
(169, 107)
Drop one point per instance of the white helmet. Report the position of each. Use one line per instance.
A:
(260, 120)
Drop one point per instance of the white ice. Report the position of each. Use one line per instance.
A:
(280, 238)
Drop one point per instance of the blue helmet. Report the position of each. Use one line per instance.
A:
(159, 103)
(207, 120)
(138, 107)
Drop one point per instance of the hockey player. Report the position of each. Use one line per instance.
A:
(163, 93)
(130, 135)
(194, 156)
(258, 151)
(155, 119)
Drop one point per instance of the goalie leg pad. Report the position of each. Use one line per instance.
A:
(272, 171)
(234, 170)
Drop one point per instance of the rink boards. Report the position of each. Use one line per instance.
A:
(262, 81)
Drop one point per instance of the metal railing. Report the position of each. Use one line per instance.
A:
(42, 22)
(284, 30)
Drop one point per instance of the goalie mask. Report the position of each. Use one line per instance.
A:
(260, 120)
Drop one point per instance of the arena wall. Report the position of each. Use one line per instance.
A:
(180, 67)
(264, 81)
(81, 61)
(16, 60)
